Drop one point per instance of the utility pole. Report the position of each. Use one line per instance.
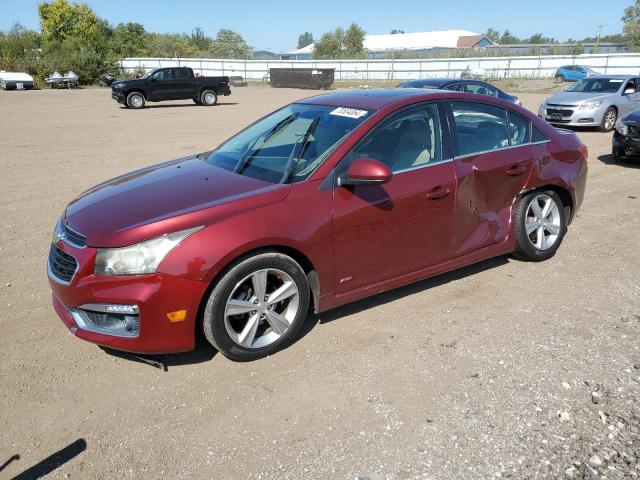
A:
(598, 36)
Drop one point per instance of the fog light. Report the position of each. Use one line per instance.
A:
(116, 320)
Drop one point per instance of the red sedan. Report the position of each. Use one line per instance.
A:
(323, 202)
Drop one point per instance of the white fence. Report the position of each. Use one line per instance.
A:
(494, 67)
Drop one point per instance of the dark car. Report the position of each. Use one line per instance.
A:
(177, 83)
(323, 202)
(626, 137)
(461, 85)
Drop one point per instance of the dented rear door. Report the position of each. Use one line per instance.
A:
(493, 161)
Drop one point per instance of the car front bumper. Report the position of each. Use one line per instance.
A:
(571, 115)
(155, 295)
(118, 95)
(626, 146)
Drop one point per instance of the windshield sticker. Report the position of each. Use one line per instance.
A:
(348, 112)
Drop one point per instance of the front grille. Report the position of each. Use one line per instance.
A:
(61, 265)
(74, 237)
(561, 106)
(564, 113)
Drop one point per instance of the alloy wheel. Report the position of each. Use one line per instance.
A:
(543, 222)
(610, 120)
(209, 98)
(261, 308)
(136, 101)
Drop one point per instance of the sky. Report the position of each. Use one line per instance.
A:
(275, 25)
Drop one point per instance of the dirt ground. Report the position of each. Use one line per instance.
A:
(502, 369)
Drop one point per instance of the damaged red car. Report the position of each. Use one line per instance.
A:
(323, 202)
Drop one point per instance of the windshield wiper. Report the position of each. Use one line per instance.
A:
(244, 158)
(303, 141)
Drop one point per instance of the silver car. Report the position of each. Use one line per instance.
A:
(593, 102)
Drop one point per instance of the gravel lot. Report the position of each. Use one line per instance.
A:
(502, 369)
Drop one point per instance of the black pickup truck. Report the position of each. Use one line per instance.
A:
(175, 83)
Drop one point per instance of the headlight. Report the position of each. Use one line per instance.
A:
(622, 128)
(141, 258)
(590, 105)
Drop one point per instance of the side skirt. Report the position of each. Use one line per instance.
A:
(327, 302)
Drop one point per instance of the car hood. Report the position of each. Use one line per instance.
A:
(572, 98)
(632, 118)
(160, 199)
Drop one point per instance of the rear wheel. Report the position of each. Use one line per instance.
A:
(208, 98)
(257, 307)
(540, 225)
(135, 100)
(559, 78)
(609, 120)
(196, 100)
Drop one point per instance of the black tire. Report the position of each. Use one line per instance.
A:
(213, 322)
(525, 247)
(606, 125)
(135, 100)
(196, 100)
(559, 78)
(618, 154)
(208, 98)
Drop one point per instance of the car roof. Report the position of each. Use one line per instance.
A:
(432, 81)
(613, 77)
(370, 99)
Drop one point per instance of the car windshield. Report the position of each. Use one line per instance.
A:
(288, 145)
(597, 85)
(149, 73)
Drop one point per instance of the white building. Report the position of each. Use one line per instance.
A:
(379, 45)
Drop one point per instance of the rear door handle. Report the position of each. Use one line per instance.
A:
(438, 193)
(516, 170)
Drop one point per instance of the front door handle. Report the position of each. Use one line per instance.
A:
(516, 170)
(438, 193)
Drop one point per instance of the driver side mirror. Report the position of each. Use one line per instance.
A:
(365, 171)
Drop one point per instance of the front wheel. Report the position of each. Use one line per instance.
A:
(559, 78)
(257, 307)
(135, 100)
(609, 120)
(208, 98)
(540, 225)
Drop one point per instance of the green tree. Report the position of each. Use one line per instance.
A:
(631, 21)
(20, 49)
(305, 39)
(128, 40)
(329, 46)
(538, 38)
(341, 44)
(199, 40)
(354, 42)
(507, 38)
(492, 34)
(60, 20)
(229, 44)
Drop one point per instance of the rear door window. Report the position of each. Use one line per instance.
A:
(479, 127)
(519, 129)
(481, 89)
(180, 74)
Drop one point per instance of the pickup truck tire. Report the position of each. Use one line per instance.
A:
(196, 100)
(208, 98)
(135, 100)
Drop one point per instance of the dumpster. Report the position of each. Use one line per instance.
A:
(315, 78)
